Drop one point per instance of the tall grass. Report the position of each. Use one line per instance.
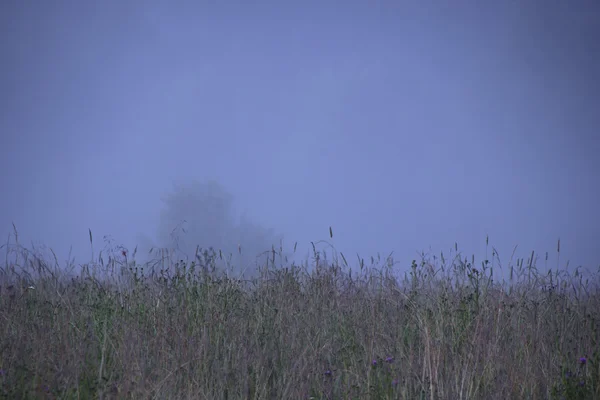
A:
(447, 330)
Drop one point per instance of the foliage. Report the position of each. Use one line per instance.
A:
(200, 216)
(447, 331)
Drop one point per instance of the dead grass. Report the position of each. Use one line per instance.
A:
(182, 331)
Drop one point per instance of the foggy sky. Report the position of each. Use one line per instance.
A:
(405, 126)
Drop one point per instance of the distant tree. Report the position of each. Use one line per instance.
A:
(202, 214)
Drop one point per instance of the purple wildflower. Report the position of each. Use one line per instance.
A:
(582, 360)
(374, 363)
(389, 360)
(328, 372)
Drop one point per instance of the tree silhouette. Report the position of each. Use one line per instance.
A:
(200, 216)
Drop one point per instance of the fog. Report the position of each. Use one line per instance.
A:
(403, 126)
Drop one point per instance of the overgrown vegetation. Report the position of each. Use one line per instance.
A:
(447, 330)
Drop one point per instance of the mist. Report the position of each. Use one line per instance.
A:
(406, 127)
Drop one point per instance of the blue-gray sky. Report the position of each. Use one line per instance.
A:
(405, 126)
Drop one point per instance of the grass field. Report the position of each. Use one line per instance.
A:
(446, 330)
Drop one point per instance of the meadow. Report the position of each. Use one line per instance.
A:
(449, 328)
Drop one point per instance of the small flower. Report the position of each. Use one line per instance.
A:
(582, 360)
(328, 372)
(2, 372)
(395, 382)
(374, 363)
(389, 360)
